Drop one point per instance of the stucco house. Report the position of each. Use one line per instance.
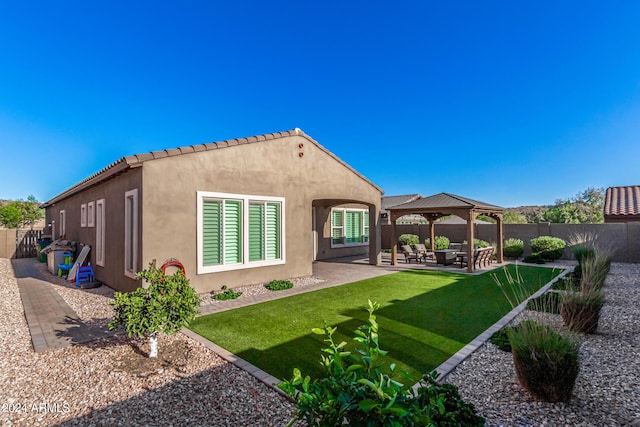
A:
(235, 212)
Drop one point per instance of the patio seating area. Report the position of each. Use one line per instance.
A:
(456, 255)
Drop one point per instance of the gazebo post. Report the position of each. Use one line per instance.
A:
(432, 235)
(394, 241)
(470, 237)
(500, 256)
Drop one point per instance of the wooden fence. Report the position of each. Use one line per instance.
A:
(19, 243)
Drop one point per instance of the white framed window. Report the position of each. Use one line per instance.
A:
(131, 233)
(349, 227)
(238, 231)
(100, 223)
(62, 226)
(90, 214)
(83, 215)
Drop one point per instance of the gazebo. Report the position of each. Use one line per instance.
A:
(443, 204)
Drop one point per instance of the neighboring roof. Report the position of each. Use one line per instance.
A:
(127, 162)
(446, 201)
(389, 201)
(457, 220)
(622, 202)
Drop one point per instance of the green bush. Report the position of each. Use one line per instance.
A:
(533, 259)
(440, 242)
(513, 248)
(501, 339)
(456, 412)
(226, 294)
(166, 305)
(547, 247)
(546, 362)
(357, 389)
(479, 243)
(279, 285)
(408, 239)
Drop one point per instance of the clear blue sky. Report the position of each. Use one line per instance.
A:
(512, 103)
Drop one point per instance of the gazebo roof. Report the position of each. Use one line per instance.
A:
(444, 201)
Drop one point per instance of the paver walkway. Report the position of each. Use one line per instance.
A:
(52, 323)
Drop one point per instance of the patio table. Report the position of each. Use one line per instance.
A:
(446, 256)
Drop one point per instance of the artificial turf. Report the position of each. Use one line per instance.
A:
(424, 317)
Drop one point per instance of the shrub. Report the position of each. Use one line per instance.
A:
(501, 339)
(479, 243)
(546, 362)
(567, 283)
(456, 411)
(226, 294)
(408, 239)
(279, 285)
(548, 302)
(533, 259)
(583, 252)
(580, 311)
(513, 248)
(440, 242)
(166, 305)
(547, 247)
(357, 389)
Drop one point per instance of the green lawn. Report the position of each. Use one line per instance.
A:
(425, 317)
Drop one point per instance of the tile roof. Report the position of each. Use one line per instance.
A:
(622, 201)
(126, 162)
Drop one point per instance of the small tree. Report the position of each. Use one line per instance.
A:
(166, 305)
(10, 215)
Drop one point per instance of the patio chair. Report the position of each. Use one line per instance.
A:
(455, 246)
(423, 252)
(409, 254)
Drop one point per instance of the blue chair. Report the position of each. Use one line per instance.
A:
(84, 274)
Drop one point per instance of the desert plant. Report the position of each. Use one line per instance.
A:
(279, 285)
(547, 247)
(166, 305)
(225, 294)
(549, 302)
(513, 248)
(439, 242)
(580, 311)
(358, 390)
(408, 239)
(546, 363)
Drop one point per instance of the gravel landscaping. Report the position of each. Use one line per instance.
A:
(607, 391)
(111, 382)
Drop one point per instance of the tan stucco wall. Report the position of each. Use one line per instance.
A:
(267, 168)
(113, 192)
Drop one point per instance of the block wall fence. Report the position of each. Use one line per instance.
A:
(624, 237)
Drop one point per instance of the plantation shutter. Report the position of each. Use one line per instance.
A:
(256, 231)
(353, 227)
(272, 231)
(211, 232)
(336, 226)
(365, 226)
(232, 231)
